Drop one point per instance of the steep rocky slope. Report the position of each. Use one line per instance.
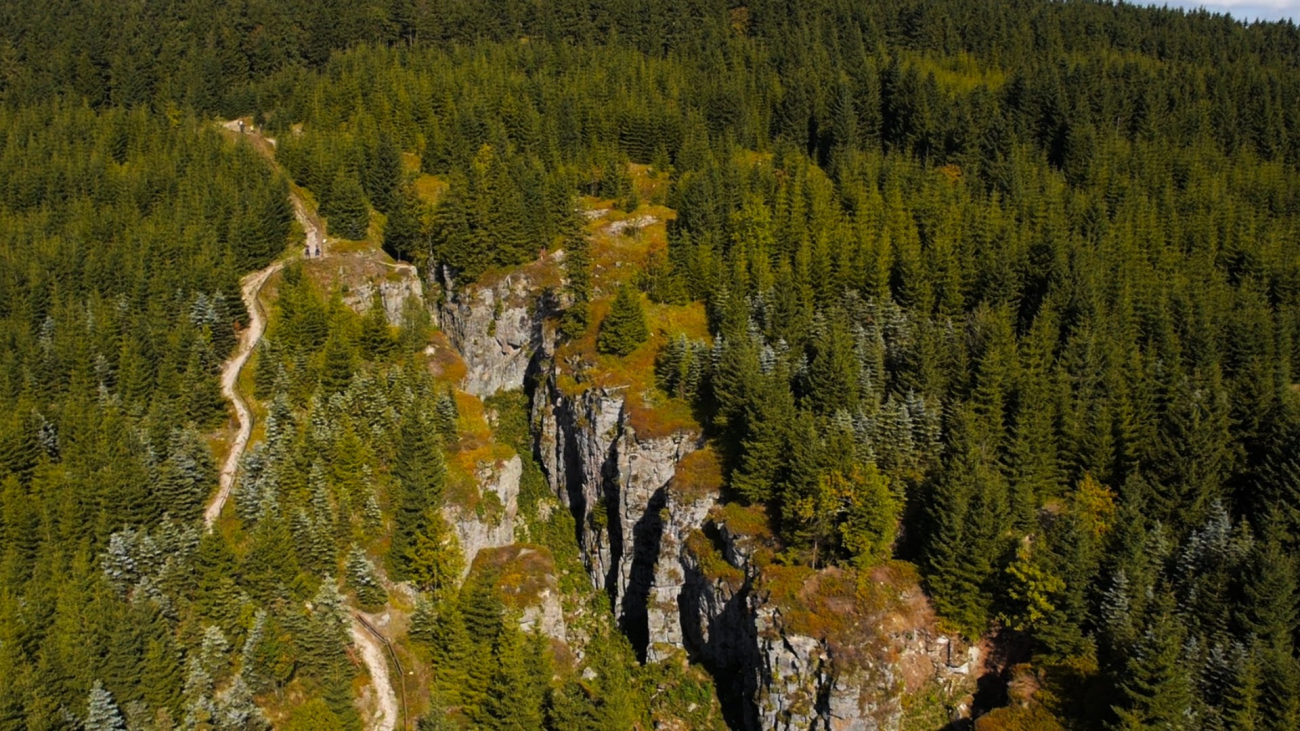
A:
(790, 648)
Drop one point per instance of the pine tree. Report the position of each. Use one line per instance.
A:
(186, 475)
(968, 515)
(420, 473)
(349, 216)
(446, 414)
(161, 683)
(376, 340)
(1269, 609)
(403, 233)
(336, 366)
(1243, 698)
(314, 715)
(624, 328)
(1156, 687)
(767, 420)
(267, 371)
(834, 372)
(383, 174)
(577, 266)
(204, 403)
(450, 647)
(872, 516)
(364, 581)
(433, 559)
(512, 703)
(453, 240)
(102, 713)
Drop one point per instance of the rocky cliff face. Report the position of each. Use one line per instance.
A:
(394, 290)
(792, 648)
(616, 484)
(480, 530)
(366, 277)
(497, 326)
(789, 648)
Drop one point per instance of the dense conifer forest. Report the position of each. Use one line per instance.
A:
(1004, 294)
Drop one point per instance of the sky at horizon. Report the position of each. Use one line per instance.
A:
(1246, 10)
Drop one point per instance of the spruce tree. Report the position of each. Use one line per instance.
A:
(403, 233)
(420, 472)
(1243, 706)
(102, 713)
(512, 703)
(433, 560)
(383, 174)
(1156, 688)
(336, 366)
(349, 215)
(577, 267)
(624, 328)
(376, 340)
(364, 581)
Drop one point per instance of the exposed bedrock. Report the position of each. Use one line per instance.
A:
(631, 523)
(789, 647)
(497, 327)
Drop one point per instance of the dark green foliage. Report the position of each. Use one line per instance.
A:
(336, 366)
(404, 235)
(383, 174)
(483, 221)
(346, 207)
(577, 266)
(682, 368)
(420, 472)
(1157, 690)
(375, 341)
(364, 582)
(624, 327)
(1027, 268)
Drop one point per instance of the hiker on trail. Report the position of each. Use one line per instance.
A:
(241, 126)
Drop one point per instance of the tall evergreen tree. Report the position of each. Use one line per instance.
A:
(349, 214)
(624, 329)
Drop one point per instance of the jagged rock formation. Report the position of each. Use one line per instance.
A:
(478, 530)
(683, 573)
(396, 286)
(617, 485)
(685, 509)
(497, 326)
(794, 648)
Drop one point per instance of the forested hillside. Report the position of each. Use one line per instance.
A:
(754, 356)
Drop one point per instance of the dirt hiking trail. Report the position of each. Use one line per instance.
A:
(250, 288)
(316, 245)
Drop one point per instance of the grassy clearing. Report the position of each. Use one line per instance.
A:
(651, 413)
(698, 476)
(430, 188)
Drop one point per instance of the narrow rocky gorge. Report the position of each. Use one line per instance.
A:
(685, 573)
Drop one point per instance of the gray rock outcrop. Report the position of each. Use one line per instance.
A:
(478, 530)
(680, 578)
(823, 662)
(616, 485)
(496, 328)
(394, 288)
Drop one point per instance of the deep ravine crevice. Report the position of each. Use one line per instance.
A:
(646, 541)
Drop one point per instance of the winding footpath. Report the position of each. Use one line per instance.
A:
(372, 654)
(250, 288)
